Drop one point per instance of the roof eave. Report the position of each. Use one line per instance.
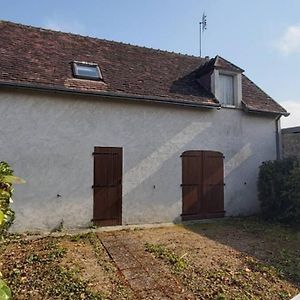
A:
(112, 95)
(262, 111)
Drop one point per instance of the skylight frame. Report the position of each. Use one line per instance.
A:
(76, 71)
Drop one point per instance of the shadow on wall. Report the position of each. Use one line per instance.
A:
(152, 163)
(274, 247)
(161, 168)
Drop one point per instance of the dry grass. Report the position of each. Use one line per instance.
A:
(230, 259)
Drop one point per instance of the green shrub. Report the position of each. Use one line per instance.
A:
(7, 215)
(291, 196)
(279, 190)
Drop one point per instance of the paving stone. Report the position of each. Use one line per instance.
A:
(166, 280)
(116, 250)
(140, 283)
(147, 277)
(175, 294)
(124, 260)
(134, 273)
(143, 255)
(153, 295)
(110, 241)
(132, 245)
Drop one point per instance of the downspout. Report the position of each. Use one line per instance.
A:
(278, 138)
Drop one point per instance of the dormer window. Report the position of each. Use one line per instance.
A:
(227, 87)
(224, 80)
(86, 70)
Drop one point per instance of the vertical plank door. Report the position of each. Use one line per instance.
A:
(107, 186)
(213, 184)
(202, 185)
(191, 182)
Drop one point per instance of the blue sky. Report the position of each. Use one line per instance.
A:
(261, 36)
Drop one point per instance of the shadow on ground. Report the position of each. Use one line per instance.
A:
(273, 246)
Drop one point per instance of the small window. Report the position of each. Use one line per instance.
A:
(86, 71)
(226, 89)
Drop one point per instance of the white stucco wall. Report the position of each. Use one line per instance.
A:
(49, 140)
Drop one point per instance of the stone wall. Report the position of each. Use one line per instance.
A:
(291, 142)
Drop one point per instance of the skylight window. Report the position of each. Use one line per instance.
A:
(84, 70)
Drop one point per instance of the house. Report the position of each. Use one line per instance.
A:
(291, 142)
(121, 134)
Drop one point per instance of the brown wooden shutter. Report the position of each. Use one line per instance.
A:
(213, 182)
(107, 186)
(191, 181)
(202, 184)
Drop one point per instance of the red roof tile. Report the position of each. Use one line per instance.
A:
(42, 57)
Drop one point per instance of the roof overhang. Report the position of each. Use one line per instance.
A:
(261, 111)
(105, 94)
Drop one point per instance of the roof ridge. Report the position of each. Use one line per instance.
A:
(102, 39)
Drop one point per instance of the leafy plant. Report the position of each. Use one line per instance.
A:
(7, 215)
(159, 251)
(291, 196)
(59, 227)
(5, 293)
(279, 190)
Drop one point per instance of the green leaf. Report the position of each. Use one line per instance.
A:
(13, 179)
(4, 193)
(1, 221)
(5, 293)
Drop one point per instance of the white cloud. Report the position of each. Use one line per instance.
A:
(293, 107)
(290, 41)
(64, 25)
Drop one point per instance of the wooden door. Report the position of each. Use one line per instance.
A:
(202, 185)
(191, 182)
(107, 186)
(213, 183)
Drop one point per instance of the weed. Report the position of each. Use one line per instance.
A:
(79, 237)
(93, 225)
(59, 227)
(160, 251)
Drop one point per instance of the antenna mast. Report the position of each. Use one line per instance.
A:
(203, 26)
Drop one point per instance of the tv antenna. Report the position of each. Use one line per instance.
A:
(203, 26)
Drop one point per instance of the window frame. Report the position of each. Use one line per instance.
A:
(237, 87)
(76, 74)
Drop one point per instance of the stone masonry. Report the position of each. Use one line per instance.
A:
(291, 142)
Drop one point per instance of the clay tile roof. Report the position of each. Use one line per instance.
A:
(40, 57)
(255, 99)
(222, 63)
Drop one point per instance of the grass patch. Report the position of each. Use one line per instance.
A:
(160, 251)
(237, 258)
(35, 272)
